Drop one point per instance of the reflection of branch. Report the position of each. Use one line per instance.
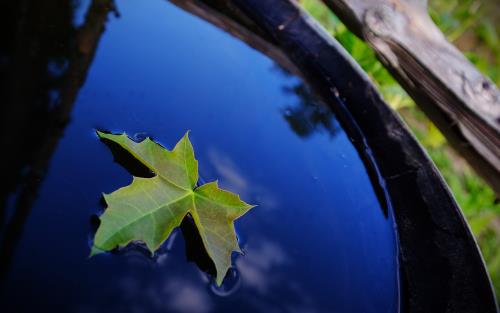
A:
(238, 25)
(87, 39)
(308, 115)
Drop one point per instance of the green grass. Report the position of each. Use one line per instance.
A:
(468, 24)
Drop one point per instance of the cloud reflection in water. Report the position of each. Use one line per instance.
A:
(256, 267)
(231, 177)
(185, 297)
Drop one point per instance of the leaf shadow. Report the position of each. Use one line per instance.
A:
(195, 250)
(127, 160)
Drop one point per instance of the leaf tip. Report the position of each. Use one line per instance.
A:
(247, 206)
(237, 249)
(151, 248)
(108, 135)
(95, 251)
(99, 133)
(105, 197)
(186, 135)
(219, 279)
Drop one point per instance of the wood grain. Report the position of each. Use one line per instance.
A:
(463, 103)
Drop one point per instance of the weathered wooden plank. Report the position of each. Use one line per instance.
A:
(462, 102)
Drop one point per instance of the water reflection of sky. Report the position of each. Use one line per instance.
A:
(317, 242)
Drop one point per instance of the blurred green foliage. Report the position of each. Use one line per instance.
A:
(469, 24)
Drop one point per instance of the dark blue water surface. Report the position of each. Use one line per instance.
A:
(317, 242)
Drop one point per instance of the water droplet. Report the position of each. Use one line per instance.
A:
(229, 286)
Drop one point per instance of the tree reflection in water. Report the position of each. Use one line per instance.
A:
(44, 60)
(309, 115)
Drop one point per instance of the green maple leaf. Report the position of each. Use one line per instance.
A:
(150, 208)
